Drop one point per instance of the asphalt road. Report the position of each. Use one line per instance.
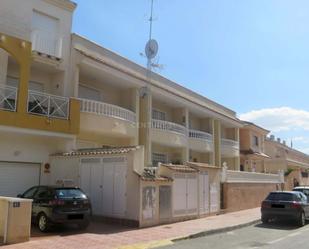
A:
(273, 236)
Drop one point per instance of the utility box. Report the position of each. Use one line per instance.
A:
(15, 220)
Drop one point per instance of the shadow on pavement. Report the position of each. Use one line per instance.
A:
(279, 225)
(69, 230)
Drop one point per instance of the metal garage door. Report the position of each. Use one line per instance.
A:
(184, 194)
(204, 192)
(15, 178)
(104, 181)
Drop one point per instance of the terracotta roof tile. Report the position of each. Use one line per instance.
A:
(98, 151)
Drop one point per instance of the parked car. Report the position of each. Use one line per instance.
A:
(58, 205)
(303, 189)
(288, 205)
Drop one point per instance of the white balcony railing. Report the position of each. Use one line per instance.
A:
(45, 43)
(104, 109)
(200, 135)
(48, 105)
(230, 143)
(169, 126)
(8, 97)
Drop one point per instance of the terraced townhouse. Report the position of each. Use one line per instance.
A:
(73, 112)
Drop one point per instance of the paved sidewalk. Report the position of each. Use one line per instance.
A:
(105, 236)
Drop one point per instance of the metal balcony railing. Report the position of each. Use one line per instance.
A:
(169, 126)
(8, 97)
(109, 110)
(48, 105)
(200, 135)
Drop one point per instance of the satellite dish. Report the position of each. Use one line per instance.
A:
(151, 49)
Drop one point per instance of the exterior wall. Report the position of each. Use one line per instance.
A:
(240, 196)
(245, 139)
(31, 149)
(99, 127)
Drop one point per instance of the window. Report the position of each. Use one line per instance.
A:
(34, 86)
(255, 141)
(45, 34)
(44, 193)
(281, 197)
(29, 193)
(156, 114)
(158, 158)
(70, 194)
(85, 92)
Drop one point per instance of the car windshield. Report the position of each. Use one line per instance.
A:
(305, 191)
(70, 194)
(280, 197)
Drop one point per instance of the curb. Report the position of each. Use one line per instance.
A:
(166, 242)
(216, 231)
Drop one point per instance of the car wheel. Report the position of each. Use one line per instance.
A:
(265, 219)
(83, 225)
(43, 223)
(302, 220)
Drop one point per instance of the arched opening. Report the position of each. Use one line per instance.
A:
(9, 81)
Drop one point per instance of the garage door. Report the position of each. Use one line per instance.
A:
(15, 178)
(104, 181)
(184, 194)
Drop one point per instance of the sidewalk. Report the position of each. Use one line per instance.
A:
(105, 236)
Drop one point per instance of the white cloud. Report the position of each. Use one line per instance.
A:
(279, 119)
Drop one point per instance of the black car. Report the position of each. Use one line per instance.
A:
(58, 205)
(288, 205)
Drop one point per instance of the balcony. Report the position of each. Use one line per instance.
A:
(200, 141)
(103, 118)
(47, 105)
(229, 148)
(168, 133)
(40, 111)
(8, 97)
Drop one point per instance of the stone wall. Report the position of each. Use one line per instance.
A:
(240, 196)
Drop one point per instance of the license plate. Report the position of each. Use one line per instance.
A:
(75, 216)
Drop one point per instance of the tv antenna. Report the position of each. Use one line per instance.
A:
(151, 51)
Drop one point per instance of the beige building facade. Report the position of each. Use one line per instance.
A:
(71, 110)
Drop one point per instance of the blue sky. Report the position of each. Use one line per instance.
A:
(249, 55)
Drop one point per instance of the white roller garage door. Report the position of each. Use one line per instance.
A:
(15, 178)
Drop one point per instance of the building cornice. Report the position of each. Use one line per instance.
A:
(64, 4)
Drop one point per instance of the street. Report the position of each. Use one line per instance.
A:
(283, 236)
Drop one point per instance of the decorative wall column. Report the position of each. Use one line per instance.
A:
(217, 142)
(136, 106)
(4, 66)
(186, 156)
(237, 158)
(145, 118)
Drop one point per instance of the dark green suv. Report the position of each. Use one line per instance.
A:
(58, 205)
